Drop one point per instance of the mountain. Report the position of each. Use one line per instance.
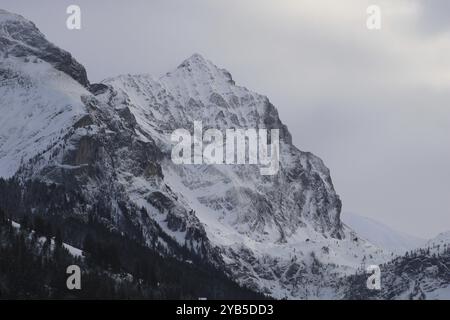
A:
(382, 235)
(420, 269)
(94, 161)
(420, 274)
(270, 230)
(21, 38)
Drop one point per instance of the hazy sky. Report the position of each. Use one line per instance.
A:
(374, 105)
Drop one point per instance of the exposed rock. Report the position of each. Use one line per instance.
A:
(21, 38)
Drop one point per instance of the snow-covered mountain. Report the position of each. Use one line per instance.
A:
(441, 239)
(269, 230)
(423, 273)
(382, 235)
(102, 152)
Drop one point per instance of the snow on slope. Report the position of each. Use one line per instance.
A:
(281, 235)
(40, 92)
(381, 235)
(37, 104)
(270, 231)
(199, 91)
(21, 38)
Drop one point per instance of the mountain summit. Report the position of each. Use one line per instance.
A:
(197, 66)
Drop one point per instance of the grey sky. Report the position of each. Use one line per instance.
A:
(374, 105)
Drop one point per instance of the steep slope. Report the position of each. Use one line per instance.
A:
(55, 132)
(272, 231)
(38, 102)
(20, 38)
(199, 91)
(381, 235)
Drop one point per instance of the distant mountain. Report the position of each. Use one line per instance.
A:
(21, 38)
(382, 235)
(420, 271)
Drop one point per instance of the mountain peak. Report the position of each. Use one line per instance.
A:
(195, 59)
(19, 37)
(197, 68)
(197, 64)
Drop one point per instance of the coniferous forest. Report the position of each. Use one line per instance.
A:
(34, 260)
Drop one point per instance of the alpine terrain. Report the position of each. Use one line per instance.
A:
(92, 162)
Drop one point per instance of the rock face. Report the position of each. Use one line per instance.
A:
(55, 131)
(382, 235)
(20, 38)
(107, 151)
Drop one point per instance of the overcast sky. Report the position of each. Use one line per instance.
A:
(374, 105)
